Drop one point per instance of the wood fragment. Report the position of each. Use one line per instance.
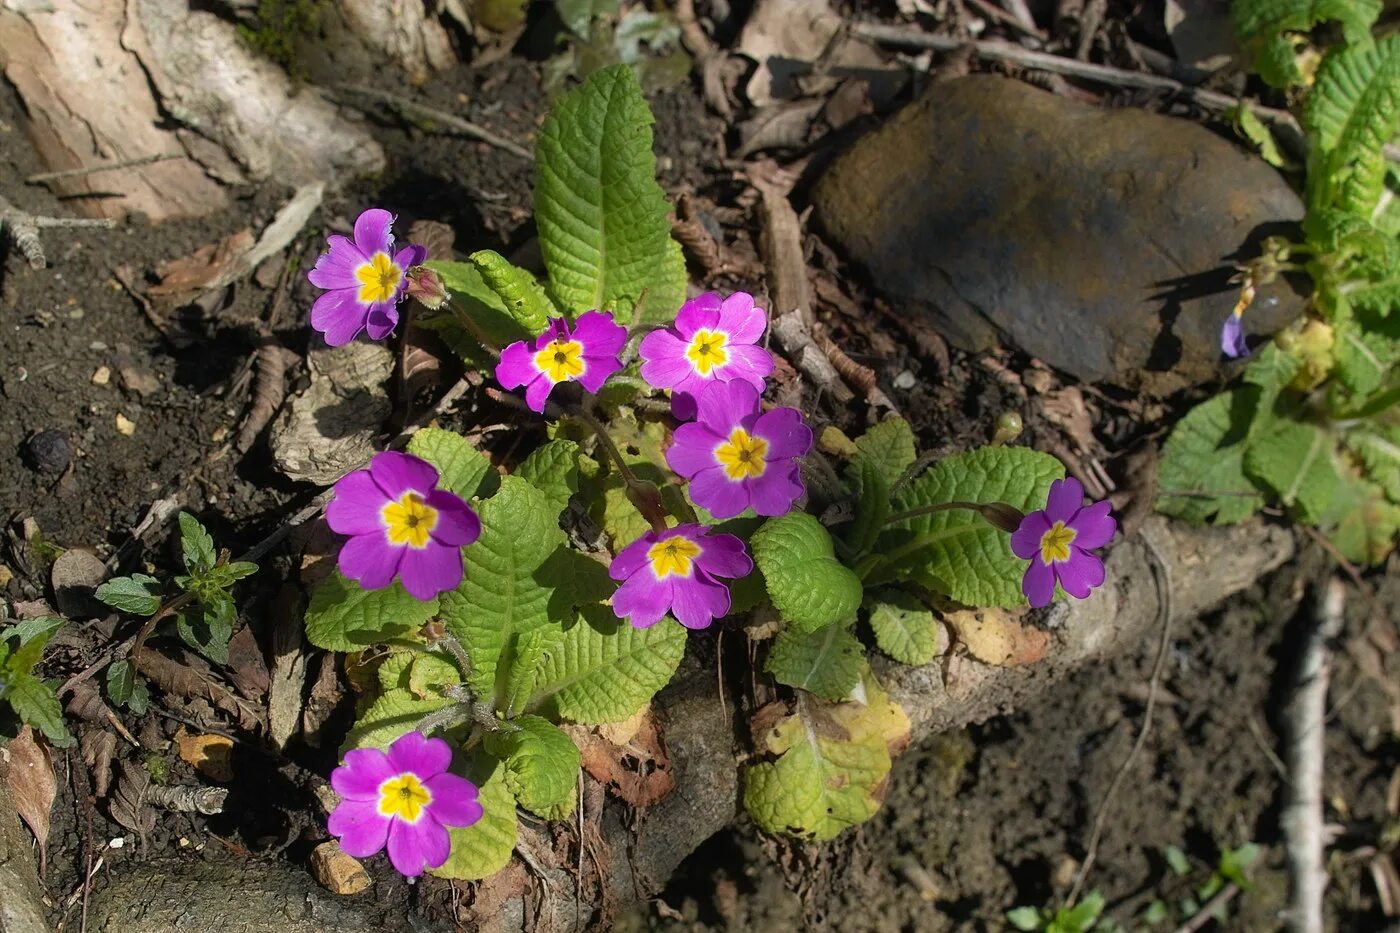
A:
(188, 798)
(270, 362)
(101, 167)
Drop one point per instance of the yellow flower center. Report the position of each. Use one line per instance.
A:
(1054, 544)
(743, 455)
(561, 360)
(379, 279)
(706, 350)
(405, 797)
(672, 557)
(409, 521)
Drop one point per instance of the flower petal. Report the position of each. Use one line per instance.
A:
(596, 370)
(381, 321)
(776, 490)
(693, 449)
(700, 311)
(664, 363)
(749, 363)
(414, 254)
(642, 600)
(1039, 583)
(430, 570)
(397, 473)
(537, 393)
(370, 560)
(374, 231)
(631, 558)
(455, 800)
(361, 828)
(517, 366)
(741, 320)
(698, 601)
(458, 525)
(338, 316)
(364, 770)
(724, 556)
(424, 756)
(414, 847)
(683, 406)
(1233, 342)
(1025, 540)
(1081, 573)
(600, 335)
(786, 433)
(336, 267)
(712, 489)
(1094, 525)
(725, 404)
(356, 504)
(1066, 496)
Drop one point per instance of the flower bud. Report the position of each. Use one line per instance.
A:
(426, 285)
(1000, 515)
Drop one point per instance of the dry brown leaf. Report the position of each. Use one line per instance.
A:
(995, 636)
(99, 747)
(270, 362)
(210, 755)
(185, 277)
(192, 678)
(128, 804)
(32, 784)
(638, 771)
(246, 667)
(325, 696)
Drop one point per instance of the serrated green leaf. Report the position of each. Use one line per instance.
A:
(121, 681)
(207, 626)
(530, 650)
(1352, 112)
(872, 504)
(1362, 523)
(1377, 447)
(430, 672)
(809, 587)
(604, 670)
(36, 702)
(905, 629)
(473, 298)
(1364, 358)
(541, 764)
(22, 643)
(483, 848)
(462, 469)
(504, 594)
(344, 617)
(956, 552)
(1257, 132)
(601, 215)
(394, 713)
(138, 594)
(577, 580)
(196, 545)
(393, 671)
(553, 469)
(1201, 474)
(888, 449)
(1261, 26)
(1297, 460)
(827, 661)
(522, 297)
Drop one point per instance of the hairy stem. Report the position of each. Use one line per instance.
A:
(636, 492)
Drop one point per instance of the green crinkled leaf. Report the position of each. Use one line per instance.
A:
(1362, 522)
(393, 671)
(1201, 475)
(541, 765)
(888, 448)
(827, 661)
(832, 757)
(462, 469)
(604, 670)
(1352, 112)
(577, 579)
(1296, 460)
(805, 581)
(601, 215)
(35, 702)
(474, 298)
(905, 629)
(1364, 358)
(522, 297)
(483, 848)
(503, 594)
(394, 713)
(207, 626)
(553, 469)
(956, 552)
(872, 504)
(430, 672)
(138, 594)
(22, 643)
(344, 617)
(1261, 24)
(196, 545)
(530, 651)
(1377, 447)
(121, 681)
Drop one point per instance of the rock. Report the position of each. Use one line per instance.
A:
(76, 574)
(329, 429)
(21, 905)
(48, 451)
(338, 873)
(210, 755)
(140, 381)
(1100, 241)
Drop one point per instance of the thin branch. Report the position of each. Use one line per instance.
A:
(1210, 909)
(101, 167)
(449, 120)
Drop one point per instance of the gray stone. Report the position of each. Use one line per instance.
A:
(330, 428)
(1100, 241)
(76, 575)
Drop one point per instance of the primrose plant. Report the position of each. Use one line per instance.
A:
(487, 610)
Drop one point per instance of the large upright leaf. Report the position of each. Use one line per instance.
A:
(1298, 461)
(1201, 475)
(604, 670)
(473, 298)
(601, 215)
(1352, 112)
(344, 617)
(553, 469)
(541, 765)
(888, 448)
(501, 595)
(392, 714)
(807, 584)
(462, 468)
(483, 848)
(956, 552)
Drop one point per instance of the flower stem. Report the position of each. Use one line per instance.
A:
(472, 327)
(648, 505)
(930, 509)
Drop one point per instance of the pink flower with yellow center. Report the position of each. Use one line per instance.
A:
(677, 571)
(403, 798)
(712, 340)
(365, 280)
(586, 353)
(400, 524)
(1057, 540)
(738, 457)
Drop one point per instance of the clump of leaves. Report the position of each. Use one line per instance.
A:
(1080, 918)
(31, 698)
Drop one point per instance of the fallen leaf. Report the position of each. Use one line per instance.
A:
(994, 636)
(638, 770)
(288, 675)
(192, 678)
(128, 803)
(32, 784)
(246, 667)
(99, 747)
(210, 755)
(182, 278)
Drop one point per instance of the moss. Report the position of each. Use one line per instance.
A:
(278, 27)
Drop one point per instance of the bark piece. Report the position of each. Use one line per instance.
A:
(329, 429)
(21, 909)
(338, 873)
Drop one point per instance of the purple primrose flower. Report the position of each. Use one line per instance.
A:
(712, 340)
(364, 278)
(586, 352)
(675, 571)
(400, 524)
(1057, 541)
(405, 798)
(1232, 338)
(736, 457)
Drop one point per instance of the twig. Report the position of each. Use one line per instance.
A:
(1306, 747)
(1208, 911)
(123, 277)
(1161, 573)
(23, 229)
(1022, 13)
(1009, 19)
(101, 167)
(449, 120)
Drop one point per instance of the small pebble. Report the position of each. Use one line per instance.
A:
(905, 380)
(98, 345)
(102, 376)
(139, 381)
(338, 872)
(76, 314)
(48, 451)
(125, 425)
